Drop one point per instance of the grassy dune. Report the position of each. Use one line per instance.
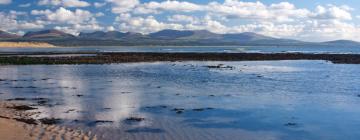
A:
(25, 45)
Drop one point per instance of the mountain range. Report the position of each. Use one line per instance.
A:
(164, 37)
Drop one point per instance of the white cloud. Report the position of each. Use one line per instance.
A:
(70, 21)
(65, 3)
(123, 6)
(182, 18)
(98, 4)
(65, 16)
(41, 12)
(25, 5)
(143, 25)
(99, 14)
(5, 1)
(110, 28)
(155, 7)
(332, 12)
(9, 22)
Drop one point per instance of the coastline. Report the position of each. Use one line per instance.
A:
(37, 58)
(25, 45)
(18, 124)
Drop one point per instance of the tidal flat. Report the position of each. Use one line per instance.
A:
(258, 100)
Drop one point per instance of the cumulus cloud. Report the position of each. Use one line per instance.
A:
(98, 4)
(5, 1)
(25, 5)
(71, 21)
(77, 28)
(63, 15)
(182, 18)
(10, 22)
(123, 6)
(143, 25)
(99, 14)
(65, 3)
(332, 12)
(156, 7)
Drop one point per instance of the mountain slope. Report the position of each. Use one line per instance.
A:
(44, 34)
(111, 35)
(184, 34)
(246, 37)
(165, 37)
(7, 35)
(342, 43)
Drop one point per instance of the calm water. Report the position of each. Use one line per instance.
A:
(225, 49)
(273, 100)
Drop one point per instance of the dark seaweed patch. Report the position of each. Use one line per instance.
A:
(291, 124)
(27, 121)
(145, 130)
(136, 119)
(22, 108)
(50, 121)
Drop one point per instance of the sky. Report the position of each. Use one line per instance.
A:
(307, 20)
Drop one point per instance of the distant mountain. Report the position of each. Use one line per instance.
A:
(7, 35)
(164, 37)
(111, 35)
(185, 34)
(342, 43)
(47, 34)
(246, 37)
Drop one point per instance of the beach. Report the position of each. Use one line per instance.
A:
(25, 45)
(18, 124)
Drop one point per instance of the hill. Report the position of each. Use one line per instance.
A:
(6, 35)
(46, 34)
(163, 38)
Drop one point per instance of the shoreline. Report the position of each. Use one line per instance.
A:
(16, 123)
(26, 45)
(71, 58)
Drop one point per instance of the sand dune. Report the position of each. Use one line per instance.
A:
(25, 45)
(13, 129)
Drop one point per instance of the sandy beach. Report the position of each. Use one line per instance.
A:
(25, 45)
(18, 124)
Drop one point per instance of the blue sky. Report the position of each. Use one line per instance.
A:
(308, 20)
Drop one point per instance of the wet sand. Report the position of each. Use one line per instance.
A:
(18, 124)
(124, 57)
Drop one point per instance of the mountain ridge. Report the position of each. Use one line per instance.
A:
(163, 37)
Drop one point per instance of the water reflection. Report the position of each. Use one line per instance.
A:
(188, 100)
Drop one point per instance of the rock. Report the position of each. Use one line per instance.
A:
(70, 110)
(291, 124)
(16, 99)
(103, 121)
(79, 95)
(199, 109)
(179, 110)
(220, 66)
(22, 108)
(137, 119)
(50, 121)
(27, 121)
